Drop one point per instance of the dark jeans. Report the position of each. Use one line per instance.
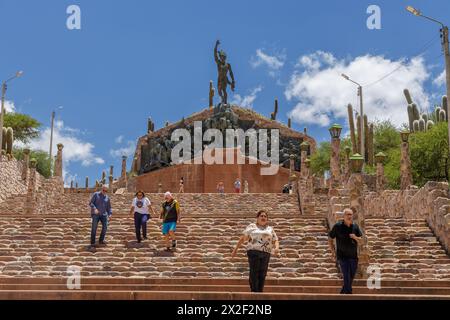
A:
(138, 224)
(348, 268)
(96, 218)
(259, 263)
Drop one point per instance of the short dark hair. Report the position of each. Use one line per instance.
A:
(261, 212)
(140, 191)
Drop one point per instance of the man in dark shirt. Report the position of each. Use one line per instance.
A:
(100, 212)
(347, 235)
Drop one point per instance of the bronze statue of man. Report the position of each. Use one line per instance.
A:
(223, 68)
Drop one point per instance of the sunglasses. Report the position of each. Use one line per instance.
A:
(263, 216)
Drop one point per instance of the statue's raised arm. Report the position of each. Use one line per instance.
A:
(216, 55)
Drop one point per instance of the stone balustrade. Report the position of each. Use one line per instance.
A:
(430, 202)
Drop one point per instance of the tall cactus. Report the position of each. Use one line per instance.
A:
(407, 96)
(273, 115)
(358, 128)
(416, 126)
(9, 140)
(424, 116)
(3, 139)
(410, 117)
(445, 106)
(437, 111)
(366, 138)
(416, 114)
(289, 122)
(371, 145)
(442, 115)
(429, 125)
(351, 124)
(421, 125)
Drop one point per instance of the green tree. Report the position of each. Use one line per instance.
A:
(25, 127)
(386, 136)
(320, 160)
(392, 168)
(429, 154)
(43, 165)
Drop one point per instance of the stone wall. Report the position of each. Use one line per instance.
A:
(410, 203)
(11, 178)
(203, 178)
(430, 202)
(48, 194)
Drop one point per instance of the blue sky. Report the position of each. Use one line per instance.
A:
(133, 59)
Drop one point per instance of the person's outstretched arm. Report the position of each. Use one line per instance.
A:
(242, 239)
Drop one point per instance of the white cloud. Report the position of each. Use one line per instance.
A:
(75, 150)
(322, 95)
(9, 106)
(274, 63)
(440, 80)
(119, 139)
(246, 101)
(127, 150)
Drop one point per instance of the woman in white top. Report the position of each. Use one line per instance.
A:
(261, 240)
(139, 208)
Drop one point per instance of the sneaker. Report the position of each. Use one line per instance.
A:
(91, 248)
(174, 243)
(168, 249)
(145, 238)
(103, 243)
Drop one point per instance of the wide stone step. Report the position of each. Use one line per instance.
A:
(192, 295)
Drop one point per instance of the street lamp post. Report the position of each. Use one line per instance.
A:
(445, 45)
(361, 111)
(4, 87)
(51, 137)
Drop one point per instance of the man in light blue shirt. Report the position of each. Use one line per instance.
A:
(100, 212)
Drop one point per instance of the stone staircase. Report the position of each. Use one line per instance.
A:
(406, 249)
(217, 288)
(191, 203)
(36, 251)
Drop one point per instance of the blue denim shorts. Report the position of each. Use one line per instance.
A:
(169, 226)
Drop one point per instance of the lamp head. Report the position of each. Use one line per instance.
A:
(19, 74)
(335, 131)
(413, 10)
(346, 77)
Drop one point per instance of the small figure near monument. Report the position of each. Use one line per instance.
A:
(237, 185)
(261, 240)
(100, 212)
(245, 186)
(221, 187)
(223, 68)
(181, 185)
(347, 235)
